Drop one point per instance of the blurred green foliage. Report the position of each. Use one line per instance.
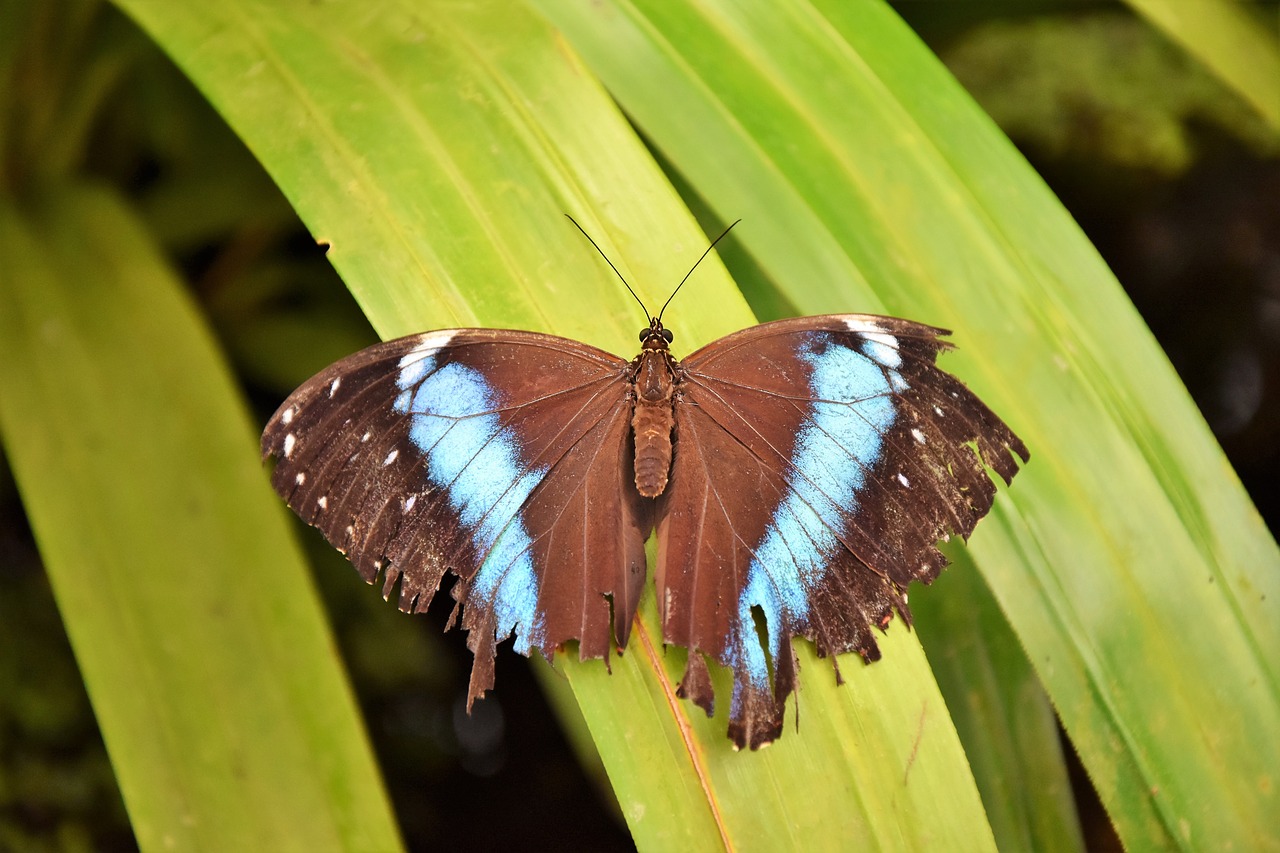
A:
(1099, 87)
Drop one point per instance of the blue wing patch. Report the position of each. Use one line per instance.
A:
(454, 423)
(839, 441)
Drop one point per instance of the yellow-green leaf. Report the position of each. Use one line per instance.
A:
(436, 147)
(224, 709)
(1127, 557)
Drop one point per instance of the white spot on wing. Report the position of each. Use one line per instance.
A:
(391, 457)
(333, 386)
(286, 417)
(939, 412)
(862, 325)
(881, 345)
(902, 478)
(300, 479)
(289, 441)
(409, 502)
(428, 345)
(364, 438)
(323, 502)
(884, 349)
(917, 435)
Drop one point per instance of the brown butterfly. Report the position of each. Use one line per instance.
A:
(801, 470)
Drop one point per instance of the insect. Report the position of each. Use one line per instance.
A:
(799, 475)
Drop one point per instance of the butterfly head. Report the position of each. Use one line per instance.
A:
(655, 335)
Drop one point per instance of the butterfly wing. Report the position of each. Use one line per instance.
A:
(501, 457)
(817, 463)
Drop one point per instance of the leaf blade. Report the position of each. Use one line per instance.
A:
(887, 160)
(689, 788)
(132, 451)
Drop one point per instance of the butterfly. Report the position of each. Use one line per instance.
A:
(799, 475)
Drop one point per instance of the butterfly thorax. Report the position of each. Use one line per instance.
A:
(653, 416)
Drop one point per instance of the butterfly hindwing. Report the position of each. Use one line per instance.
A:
(817, 463)
(500, 457)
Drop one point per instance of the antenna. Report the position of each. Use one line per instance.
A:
(694, 267)
(678, 286)
(610, 263)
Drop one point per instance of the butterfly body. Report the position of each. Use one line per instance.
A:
(654, 389)
(799, 473)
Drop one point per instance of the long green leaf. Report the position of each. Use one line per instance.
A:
(436, 148)
(203, 646)
(1000, 709)
(1127, 557)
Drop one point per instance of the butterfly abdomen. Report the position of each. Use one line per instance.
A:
(652, 421)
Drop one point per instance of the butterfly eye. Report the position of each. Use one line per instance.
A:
(644, 335)
(667, 336)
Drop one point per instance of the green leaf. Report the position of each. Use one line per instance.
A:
(1005, 720)
(435, 147)
(437, 154)
(1127, 557)
(212, 673)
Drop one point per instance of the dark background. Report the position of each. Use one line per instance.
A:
(1171, 177)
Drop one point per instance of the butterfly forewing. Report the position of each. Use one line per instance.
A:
(498, 456)
(818, 461)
